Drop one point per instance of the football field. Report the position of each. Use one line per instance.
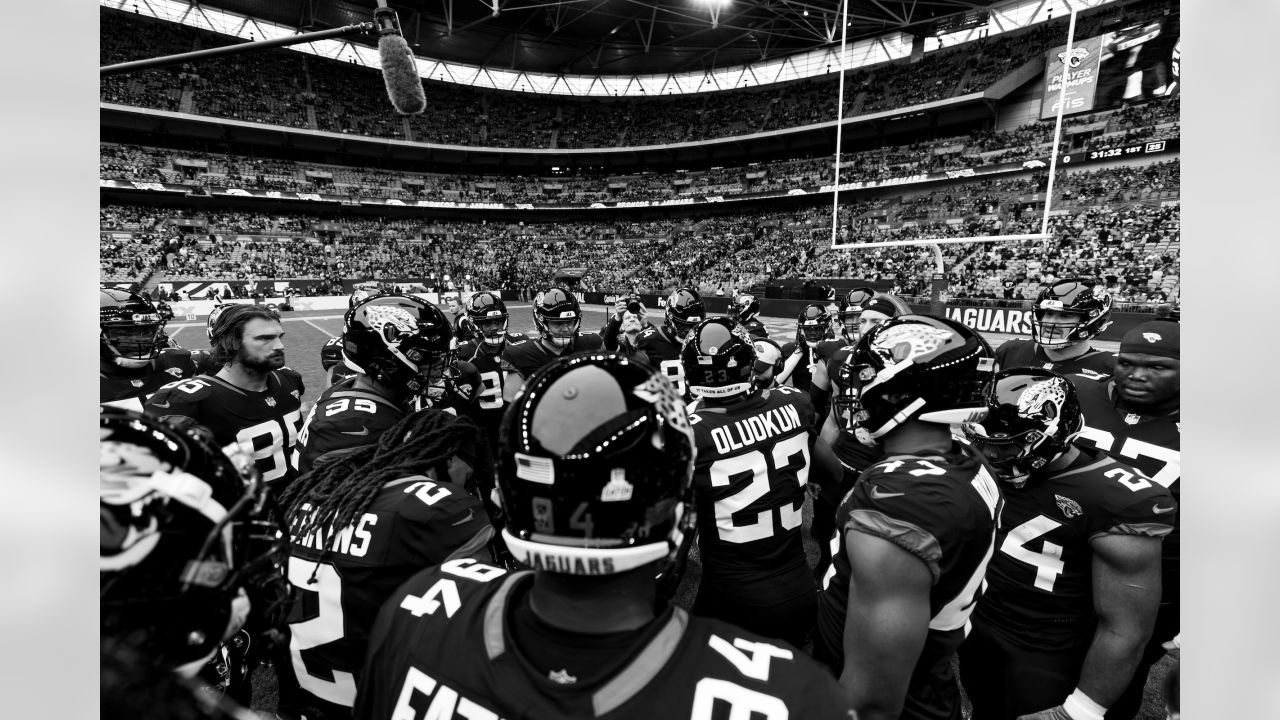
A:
(306, 332)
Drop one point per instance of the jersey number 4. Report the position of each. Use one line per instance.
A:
(1048, 561)
(788, 460)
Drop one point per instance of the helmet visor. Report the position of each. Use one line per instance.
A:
(137, 341)
(814, 332)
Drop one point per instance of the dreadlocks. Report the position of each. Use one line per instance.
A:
(338, 491)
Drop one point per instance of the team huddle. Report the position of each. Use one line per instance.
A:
(470, 522)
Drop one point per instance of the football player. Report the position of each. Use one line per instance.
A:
(597, 458)
(684, 309)
(400, 345)
(746, 310)
(854, 456)
(331, 352)
(1136, 418)
(813, 327)
(488, 313)
(253, 399)
(360, 524)
(916, 532)
(1073, 588)
(1067, 314)
(755, 453)
(557, 315)
(847, 315)
(187, 555)
(132, 363)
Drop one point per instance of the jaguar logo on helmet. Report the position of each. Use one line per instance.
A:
(909, 342)
(1073, 57)
(393, 323)
(1043, 400)
(1152, 337)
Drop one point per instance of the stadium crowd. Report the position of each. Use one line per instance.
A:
(1113, 224)
(297, 90)
(977, 150)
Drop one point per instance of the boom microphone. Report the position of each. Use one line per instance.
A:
(404, 87)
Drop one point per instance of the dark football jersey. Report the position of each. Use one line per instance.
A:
(342, 418)
(1094, 364)
(944, 509)
(1039, 593)
(664, 354)
(527, 357)
(129, 388)
(752, 466)
(442, 645)
(411, 524)
(266, 421)
(756, 329)
(1150, 443)
(490, 406)
(853, 455)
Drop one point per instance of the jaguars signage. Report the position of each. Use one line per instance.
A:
(994, 320)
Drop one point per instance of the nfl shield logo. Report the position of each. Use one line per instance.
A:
(136, 383)
(1132, 419)
(271, 402)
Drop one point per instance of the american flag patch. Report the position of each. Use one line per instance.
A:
(535, 469)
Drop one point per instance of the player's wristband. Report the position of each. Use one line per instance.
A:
(1082, 707)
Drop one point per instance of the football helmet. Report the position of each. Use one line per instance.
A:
(813, 323)
(922, 367)
(130, 325)
(401, 341)
(718, 359)
(213, 320)
(557, 315)
(362, 294)
(851, 310)
(1032, 417)
(596, 465)
(488, 313)
(1086, 299)
(184, 531)
(684, 310)
(745, 308)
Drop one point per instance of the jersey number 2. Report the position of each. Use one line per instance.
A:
(322, 629)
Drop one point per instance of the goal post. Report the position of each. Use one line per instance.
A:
(939, 283)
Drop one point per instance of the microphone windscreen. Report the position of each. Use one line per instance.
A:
(404, 87)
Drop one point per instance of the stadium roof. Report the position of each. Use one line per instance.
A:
(622, 37)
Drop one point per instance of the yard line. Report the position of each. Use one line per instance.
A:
(308, 321)
(178, 330)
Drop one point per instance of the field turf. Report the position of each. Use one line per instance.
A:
(305, 332)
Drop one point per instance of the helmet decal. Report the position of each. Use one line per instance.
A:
(392, 322)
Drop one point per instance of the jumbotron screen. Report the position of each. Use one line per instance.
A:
(1135, 63)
